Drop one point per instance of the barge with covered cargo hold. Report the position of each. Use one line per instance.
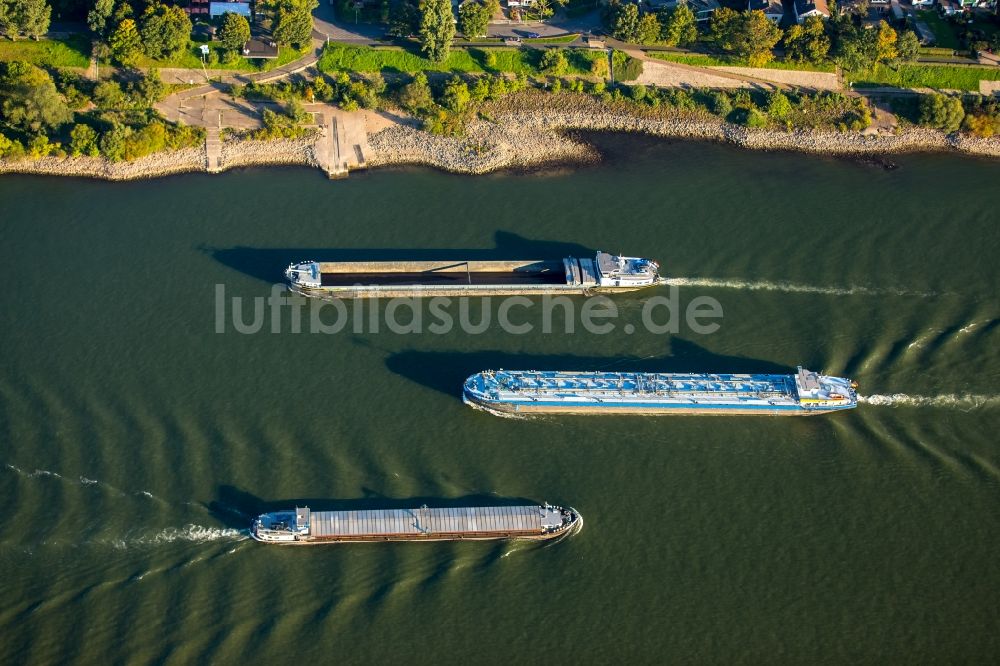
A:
(301, 526)
(390, 279)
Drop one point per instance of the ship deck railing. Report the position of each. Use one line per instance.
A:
(646, 387)
(639, 391)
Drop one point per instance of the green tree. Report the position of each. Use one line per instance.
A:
(982, 124)
(807, 42)
(293, 22)
(942, 112)
(150, 89)
(721, 104)
(83, 141)
(97, 17)
(415, 96)
(125, 43)
(40, 146)
(455, 96)
(235, 31)
(679, 26)
(778, 105)
(109, 96)
(24, 17)
(123, 10)
(760, 36)
(755, 119)
(474, 17)
(166, 30)
(112, 142)
(859, 49)
(885, 43)
(30, 101)
(750, 35)
(10, 149)
(553, 62)
(404, 19)
(542, 9)
(480, 89)
(723, 24)
(625, 21)
(437, 28)
(8, 21)
(908, 46)
(649, 28)
(856, 49)
(627, 68)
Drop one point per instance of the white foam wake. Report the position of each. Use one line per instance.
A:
(790, 287)
(197, 533)
(495, 412)
(949, 400)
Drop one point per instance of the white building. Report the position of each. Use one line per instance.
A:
(806, 8)
(772, 9)
(702, 9)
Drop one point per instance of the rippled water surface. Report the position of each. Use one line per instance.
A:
(136, 442)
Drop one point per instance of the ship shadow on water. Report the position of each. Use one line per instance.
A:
(447, 371)
(235, 508)
(269, 264)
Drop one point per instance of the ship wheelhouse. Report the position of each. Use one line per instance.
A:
(304, 274)
(618, 271)
(816, 391)
(281, 526)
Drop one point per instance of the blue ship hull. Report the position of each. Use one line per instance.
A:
(529, 392)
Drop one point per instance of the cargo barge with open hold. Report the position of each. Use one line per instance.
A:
(528, 392)
(390, 279)
(301, 526)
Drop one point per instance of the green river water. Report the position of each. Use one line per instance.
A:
(136, 442)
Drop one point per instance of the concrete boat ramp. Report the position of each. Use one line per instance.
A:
(343, 143)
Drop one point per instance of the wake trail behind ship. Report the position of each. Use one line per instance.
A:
(964, 402)
(188, 533)
(789, 287)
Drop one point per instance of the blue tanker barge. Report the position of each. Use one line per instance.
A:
(530, 391)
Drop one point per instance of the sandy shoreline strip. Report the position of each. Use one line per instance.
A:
(516, 132)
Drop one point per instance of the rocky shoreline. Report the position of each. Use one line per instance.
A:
(151, 166)
(521, 131)
(239, 153)
(235, 154)
(528, 132)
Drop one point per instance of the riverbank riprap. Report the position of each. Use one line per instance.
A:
(524, 130)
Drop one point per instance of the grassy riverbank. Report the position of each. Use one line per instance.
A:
(473, 60)
(70, 52)
(946, 77)
(191, 59)
(705, 60)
